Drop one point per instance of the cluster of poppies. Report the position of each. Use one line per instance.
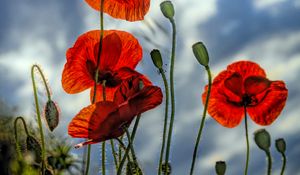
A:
(121, 92)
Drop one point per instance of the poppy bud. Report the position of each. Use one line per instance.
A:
(262, 139)
(280, 145)
(48, 172)
(156, 58)
(34, 147)
(201, 53)
(167, 9)
(51, 115)
(220, 167)
(166, 168)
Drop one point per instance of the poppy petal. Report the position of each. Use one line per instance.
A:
(246, 68)
(111, 51)
(256, 84)
(87, 122)
(148, 98)
(265, 112)
(234, 84)
(122, 74)
(225, 113)
(131, 10)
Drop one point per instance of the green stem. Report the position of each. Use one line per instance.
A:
(16, 135)
(96, 80)
(38, 110)
(103, 158)
(130, 141)
(202, 121)
(114, 153)
(120, 148)
(247, 141)
(130, 145)
(172, 90)
(283, 163)
(166, 119)
(269, 162)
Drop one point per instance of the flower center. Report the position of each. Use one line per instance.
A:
(111, 78)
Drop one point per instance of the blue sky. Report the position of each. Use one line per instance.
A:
(264, 31)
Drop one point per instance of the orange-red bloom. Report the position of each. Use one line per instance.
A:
(244, 85)
(120, 54)
(130, 10)
(104, 120)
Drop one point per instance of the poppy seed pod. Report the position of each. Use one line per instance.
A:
(201, 53)
(262, 139)
(220, 167)
(34, 147)
(51, 115)
(280, 145)
(167, 9)
(156, 58)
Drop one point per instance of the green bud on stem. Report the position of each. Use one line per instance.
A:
(167, 9)
(262, 139)
(201, 53)
(220, 167)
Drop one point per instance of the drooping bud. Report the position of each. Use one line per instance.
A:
(201, 53)
(280, 145)
(156, 58)
(34, 147)
(167, 9)
(166, 168)
(220, 167)
(51, 115)
(262, 139)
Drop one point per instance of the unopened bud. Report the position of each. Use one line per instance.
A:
(262, 139)
(51, 115)
(133, 168)
(220, 167)
(167, 9)
(156, 58)
(201, 53)
(280, 145)
(34, 147)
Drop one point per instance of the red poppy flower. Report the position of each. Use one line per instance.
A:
(104, 120)
(120, 54)
(244, 85)
(130, 10)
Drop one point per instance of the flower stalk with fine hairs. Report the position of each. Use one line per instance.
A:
(168, 11)
(157, 61)
(88, 156)
(16, 135)
(38, 109)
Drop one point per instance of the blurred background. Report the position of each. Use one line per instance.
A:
(264, 31)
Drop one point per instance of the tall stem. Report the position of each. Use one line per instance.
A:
(103, 158)
(283, 163)
(16, 135)
(202, 121)
(269, 162)
(166, 119)
(172, 90)
(38, 110)
(96, 79)
(247, 141)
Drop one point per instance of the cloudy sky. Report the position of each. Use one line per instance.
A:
(264, 31)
